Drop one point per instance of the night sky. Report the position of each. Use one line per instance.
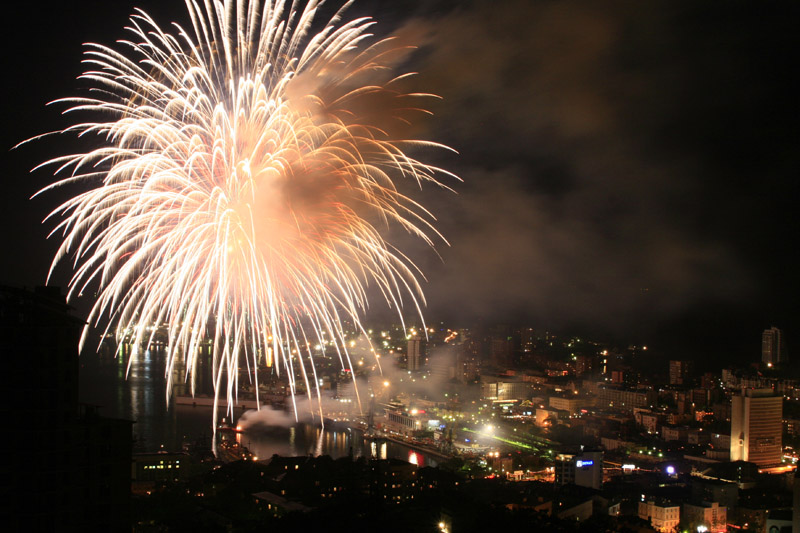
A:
(630, 168)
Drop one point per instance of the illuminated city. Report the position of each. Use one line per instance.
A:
(400, 266)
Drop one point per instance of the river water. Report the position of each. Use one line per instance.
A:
(142, 398)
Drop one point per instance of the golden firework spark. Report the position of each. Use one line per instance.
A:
(245, 172)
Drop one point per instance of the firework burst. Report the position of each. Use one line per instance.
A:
(246, 171)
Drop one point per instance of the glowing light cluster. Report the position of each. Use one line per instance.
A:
(246, 172)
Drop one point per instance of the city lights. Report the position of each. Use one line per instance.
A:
(299, 318)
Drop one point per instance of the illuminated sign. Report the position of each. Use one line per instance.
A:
(580, 464)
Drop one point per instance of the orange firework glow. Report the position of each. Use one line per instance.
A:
(247, 166)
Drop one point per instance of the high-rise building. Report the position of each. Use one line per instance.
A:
(416, 353)
(773, 347)
(679, 372)
(756, 427)
(501, 352)
(583, 365)
(471, 366)
(527, 340)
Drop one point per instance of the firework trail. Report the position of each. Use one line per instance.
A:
(245, 170)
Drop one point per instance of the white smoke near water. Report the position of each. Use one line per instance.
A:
(266, 417)
(306, 411)
(354, 399)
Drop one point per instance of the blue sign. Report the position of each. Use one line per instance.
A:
(583, 463)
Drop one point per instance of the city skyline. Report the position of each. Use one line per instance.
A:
(587, 356)
(567, 421)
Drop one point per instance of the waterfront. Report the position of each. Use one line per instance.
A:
(307, 439)
(141, 398)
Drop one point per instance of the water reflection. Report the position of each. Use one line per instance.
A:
(307, 439)
(162, 425)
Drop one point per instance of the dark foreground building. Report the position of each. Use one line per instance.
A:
(64, 467)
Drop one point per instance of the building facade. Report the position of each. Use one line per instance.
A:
(773, 347)
(705, 517)
(584, 469)
(624, 399)
(757, 427)
(662, 515)
(679, 372)
(504, 389)
(566, 403)
(403, 422)
(416, 353)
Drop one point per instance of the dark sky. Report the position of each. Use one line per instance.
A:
(630, 168)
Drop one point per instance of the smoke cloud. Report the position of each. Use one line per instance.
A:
(265, 417)
(593, 194)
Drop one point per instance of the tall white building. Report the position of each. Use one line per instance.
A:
(757, 427)
(416, 353)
